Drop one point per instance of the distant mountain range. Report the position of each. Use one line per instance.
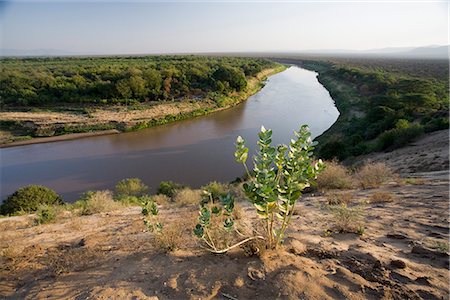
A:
(428, 52)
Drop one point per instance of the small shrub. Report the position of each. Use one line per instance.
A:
(169, 188)
(28, 199)
(216, 224)
(131, 187)
(441, 246)
(280, 176)
(162, 199)
(381, 197)
(339, 198)
(373, 175)
(216, 190)
(97, 202)
(334, 176)
(46, 214)
(399, 136)
(171, 237)
(346, 219)
(187, 196)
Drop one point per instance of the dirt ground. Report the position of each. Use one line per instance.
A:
(426, 154)
(402, 254)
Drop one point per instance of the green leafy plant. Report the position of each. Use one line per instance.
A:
(150, 212)
(46, 214)
(280, 174)
(131, 187)
(169, 188)
(28, 199)
(216, 225)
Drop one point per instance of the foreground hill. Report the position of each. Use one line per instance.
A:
(402, 254)
(384, 242)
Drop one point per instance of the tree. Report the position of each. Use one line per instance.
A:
(123, 89)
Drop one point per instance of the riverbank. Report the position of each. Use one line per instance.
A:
(72, 121)
(382, 107)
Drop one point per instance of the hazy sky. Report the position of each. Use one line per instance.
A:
(114, 27)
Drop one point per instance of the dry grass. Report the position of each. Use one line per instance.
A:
(373, 175)
(381, 197)
(176, 234)
(70, 258)
(347, 219)
(335, 176)
(339, 198)
(161, 199)
(414, 181)
(100, 201)
(187, 196)
(11, 253)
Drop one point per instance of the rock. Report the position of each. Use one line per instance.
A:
(294, 246)
(397, 236)
(82, 243)
(256, 272)
(398, 264)
(423, 280)
(421, 250)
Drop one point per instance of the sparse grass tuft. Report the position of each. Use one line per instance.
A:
(334, 176)
(161, 199)
(441, 246)
(381, 197)
(373, 175)
(347, 219)
(187, 196)
(414, 181)
(339, 198)
(172, 236)
(97, 202)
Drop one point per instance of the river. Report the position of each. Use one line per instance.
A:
(192, 152)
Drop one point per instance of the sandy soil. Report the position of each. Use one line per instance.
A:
(426, 154)
(109, 256)
(115, 113)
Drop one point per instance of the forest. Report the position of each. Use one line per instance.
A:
(383, 106)
(113, 80)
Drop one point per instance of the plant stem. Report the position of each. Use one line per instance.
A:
(235, 245)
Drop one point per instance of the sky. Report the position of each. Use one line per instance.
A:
(119, 27)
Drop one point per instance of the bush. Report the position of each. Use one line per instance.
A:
(215, 190)
(187, 197)
(46, 214)
(334, 176)
(399, 136)
(161, 199)
(373, 175)
(97, 202)
(169, 188)
(28, 199)
(131, 187)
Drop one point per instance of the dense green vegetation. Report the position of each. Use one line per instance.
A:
(380, 109)
(105, 80)
(29, 199)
